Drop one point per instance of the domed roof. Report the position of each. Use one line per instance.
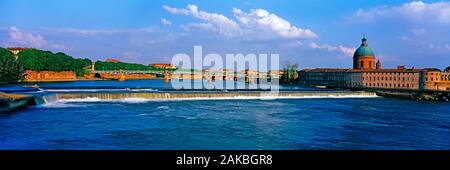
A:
(363, 50)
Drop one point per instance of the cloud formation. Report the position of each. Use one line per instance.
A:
(166, 22)
(415, 11)
(270, 24)
(91, 32)
(346, 51)
(419, 31)
(220, 23)
(20, 38)
(439, 48)
(256, 24)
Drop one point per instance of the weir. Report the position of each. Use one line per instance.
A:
(215, 95)
(45, 98)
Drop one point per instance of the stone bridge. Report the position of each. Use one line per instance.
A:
(246, 76)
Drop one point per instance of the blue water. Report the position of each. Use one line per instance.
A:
(327, 123)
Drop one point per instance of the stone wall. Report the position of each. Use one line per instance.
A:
(34, 76)
(133, 76)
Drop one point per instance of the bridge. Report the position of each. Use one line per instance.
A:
(156, 72)
(247, 76)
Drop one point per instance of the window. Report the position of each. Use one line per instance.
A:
(362, 64)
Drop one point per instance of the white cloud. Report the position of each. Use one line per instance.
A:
(416, 11)
(20, 38)
(90, 32)
(438, 48)
(346, 51)
(419, 31)
(257, 24)
(166, 22)
(34, 40)
(202, 26)
(388, 59)
(223, 25)
(132, 56)
(270, 23)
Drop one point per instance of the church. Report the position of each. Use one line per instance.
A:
(368, 74)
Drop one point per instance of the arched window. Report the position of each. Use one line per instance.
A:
(362, 64)
(370, 64)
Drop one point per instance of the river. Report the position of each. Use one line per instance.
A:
(240, 123)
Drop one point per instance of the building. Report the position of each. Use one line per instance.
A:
(366, 74)
(112, 60)
(364, 58)
(163, 66)
(15, 51)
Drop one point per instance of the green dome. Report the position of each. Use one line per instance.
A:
(363, 50)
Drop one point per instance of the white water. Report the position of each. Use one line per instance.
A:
(75, 102)
(98, 90)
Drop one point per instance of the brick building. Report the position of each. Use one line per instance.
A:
(369, 75)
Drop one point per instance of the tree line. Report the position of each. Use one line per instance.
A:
(10, 69)
(39, 60)
(103, 65)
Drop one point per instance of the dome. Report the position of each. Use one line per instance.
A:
(363, 50)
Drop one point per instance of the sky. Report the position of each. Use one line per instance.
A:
(311, 33)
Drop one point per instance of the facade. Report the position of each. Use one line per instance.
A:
(365, 75)
(16, 50)
(163, 66)
(34, 76)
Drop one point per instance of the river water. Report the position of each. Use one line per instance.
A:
(308, 123)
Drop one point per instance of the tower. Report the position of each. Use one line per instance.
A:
(378, 65)
(364, 58)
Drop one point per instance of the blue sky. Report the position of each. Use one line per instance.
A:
(312, 33)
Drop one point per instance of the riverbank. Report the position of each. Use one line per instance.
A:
(11, 102)
(86, 79)
(442, 96)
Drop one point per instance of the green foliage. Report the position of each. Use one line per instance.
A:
(447, 69)
(10, 69)
(289, 72)
(101, 65)
(38, 60)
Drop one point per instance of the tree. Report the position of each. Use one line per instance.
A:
(447, 69)
(38, 60)
(10, 68)
(101, 65)
(289, 73)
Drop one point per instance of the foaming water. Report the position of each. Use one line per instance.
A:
(59, 105)
(100, 90)
(95, 99)
(240, 97)
(81, 102)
